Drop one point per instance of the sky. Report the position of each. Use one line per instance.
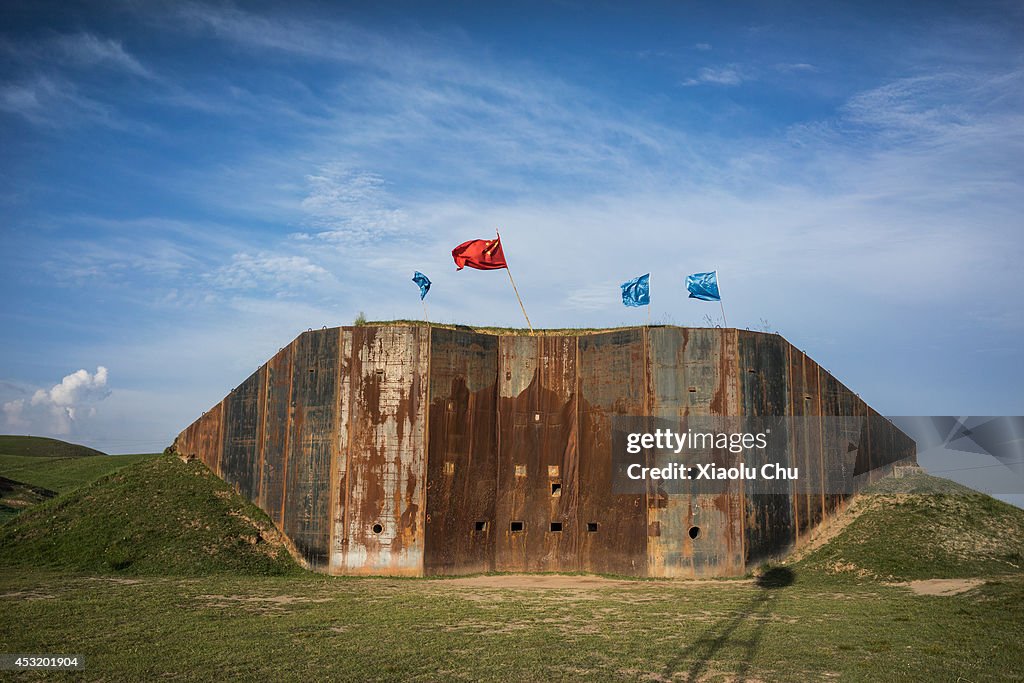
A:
(185, 187)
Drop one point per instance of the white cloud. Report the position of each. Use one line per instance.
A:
(797, 67)
(88, 50)
(725, 75)
(274, 273)
(55, 102)
(58, 411)
(352, 206)
(43, 100)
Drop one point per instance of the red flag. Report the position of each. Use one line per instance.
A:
(480, 254)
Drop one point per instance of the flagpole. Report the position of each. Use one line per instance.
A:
(719, 282)
(648, 301)
(426, 318)
(514, 288)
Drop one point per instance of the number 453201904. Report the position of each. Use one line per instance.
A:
(9, 662)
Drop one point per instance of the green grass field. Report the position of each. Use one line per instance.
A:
(158, 571)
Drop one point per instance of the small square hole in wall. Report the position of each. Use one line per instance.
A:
(449, 467)
(556, 526)
(536, 417)
(520, 470)
(692, 390)
(591, 527)
(553, 470)
(480, 526)
(556, 489)
(516, 527)
(380, 372)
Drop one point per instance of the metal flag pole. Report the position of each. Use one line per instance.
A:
(426, 318)
(719, 282)
(648, 301)
(514, 288)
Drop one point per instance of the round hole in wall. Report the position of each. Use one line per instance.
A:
(694, 532)
(378, 528)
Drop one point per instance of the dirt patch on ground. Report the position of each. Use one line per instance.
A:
(258, 604)
(266, 599)
(942, 586)
(27, 595)
(574, 582)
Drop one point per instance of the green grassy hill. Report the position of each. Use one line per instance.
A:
(35, 469)
(42, 447)
(64, 474)
(922, 527)
(158, 516)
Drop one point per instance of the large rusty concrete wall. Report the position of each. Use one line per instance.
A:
(411, 450)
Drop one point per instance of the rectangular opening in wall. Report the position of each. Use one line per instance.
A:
(520, 470)
(556, 526)
(380, 372)
(692, 390)
(516, 527)
(480, 526)
(556, 489)
(591, 527)
(553, 471)
(449, 467)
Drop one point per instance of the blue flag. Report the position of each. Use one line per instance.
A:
(637, 292)
(423, 281)
(703, 286)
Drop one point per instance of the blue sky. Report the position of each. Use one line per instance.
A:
(186, 187)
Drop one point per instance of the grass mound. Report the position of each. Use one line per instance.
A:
(922, 527)
(158, 517)
(42, 447)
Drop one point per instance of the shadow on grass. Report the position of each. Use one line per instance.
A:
(726, 637)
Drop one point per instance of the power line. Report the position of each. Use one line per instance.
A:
(979, 467)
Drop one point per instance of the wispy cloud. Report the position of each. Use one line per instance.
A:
(797, 67)
(724, 75)
(88, 50)
(270, 272)
(81, 50)
(50, 102)
(352, 206)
